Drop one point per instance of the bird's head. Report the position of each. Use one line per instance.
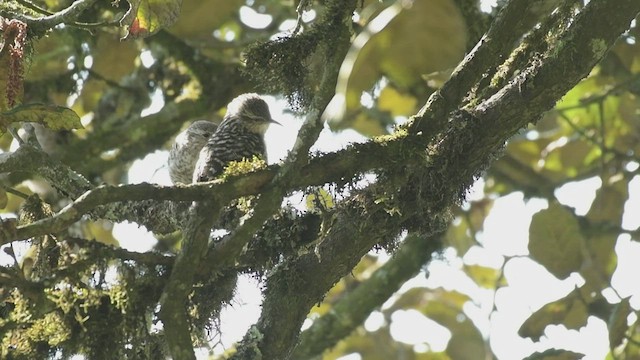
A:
(252, 111)
(196, 134)
(202, 128)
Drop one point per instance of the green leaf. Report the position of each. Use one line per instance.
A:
(486, 277)
(458, 236)
(569, 311)
(605, 213)
(388, 48)
(445, 308)
(199, 18)
(4, 199)
(51, 116)
(319, 200)
(617, 324)
(146, 17)
(555, 240)
(555, 354)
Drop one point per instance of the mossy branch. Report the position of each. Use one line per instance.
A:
(39, 25)
(353, 309)
(173, 300)
(494, 46)
(332, 167)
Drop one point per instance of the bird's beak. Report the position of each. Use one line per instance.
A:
(271, 121)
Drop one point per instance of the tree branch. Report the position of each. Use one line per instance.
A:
(332, 167)
(492, 49)
(174, 296)
(40, 25)
(29, 159)
(351, 311)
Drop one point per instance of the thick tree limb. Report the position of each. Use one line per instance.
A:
(174, 297)
(332, 167)
(492, 49)
(29, 159)
(353, 309)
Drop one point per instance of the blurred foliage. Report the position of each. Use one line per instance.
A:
(401, 53)
(440, 30)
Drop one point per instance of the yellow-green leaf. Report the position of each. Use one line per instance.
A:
(396, 103)
(51, 116)
(198, 19)
(485, 277)
(618, 323)
(458, 236)
(4, 199)
(319, 200)
(445, 308)
(146, 17)
(101, 231)
(555, 354)
(569, 311)
(555, 240)
(605, 212)
(389, 48)
(608, 206)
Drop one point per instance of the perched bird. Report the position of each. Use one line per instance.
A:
(185, 150)
(239, 136)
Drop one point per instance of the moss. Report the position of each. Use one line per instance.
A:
(294, 65)
(50, 329)
(207, 300)
(250, 345)
(71, 318)
(280, 66)
(396, 135)
(236, 168)
(598, 47)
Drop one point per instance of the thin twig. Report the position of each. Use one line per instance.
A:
(96, 25)
(34, 7)
(14, 192)
(68, 15)
(83, 25)
(302, 5)
(15, 135)
(592, 139)
(614, 90)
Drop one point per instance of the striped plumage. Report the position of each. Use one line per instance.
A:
(186, 148)
(239, 136)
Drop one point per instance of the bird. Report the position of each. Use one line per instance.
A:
(239, 136)
(186, 148)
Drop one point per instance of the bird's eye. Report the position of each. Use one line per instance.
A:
(206, 134)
